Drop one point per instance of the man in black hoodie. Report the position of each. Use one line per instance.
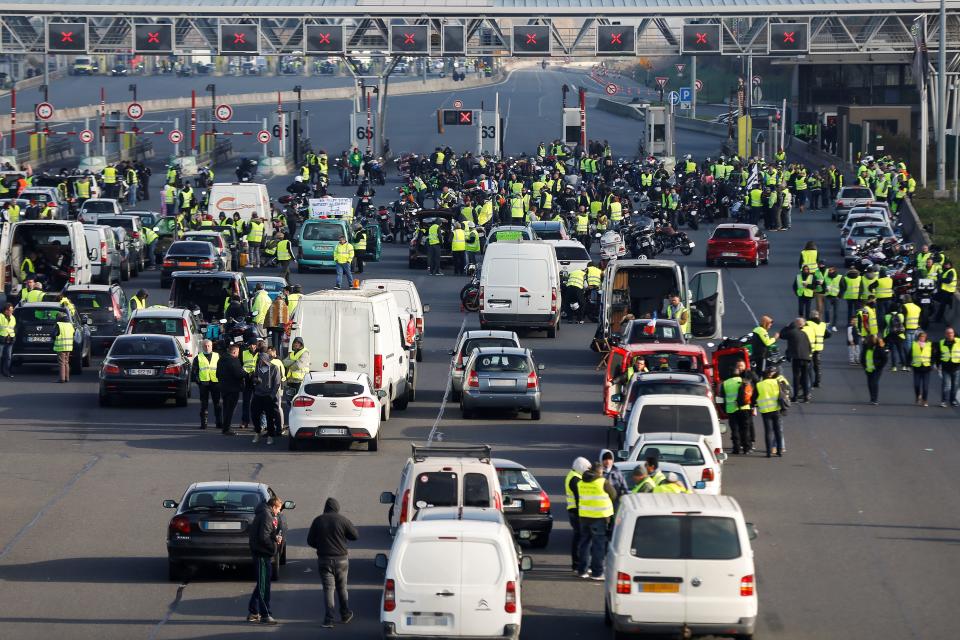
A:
(265, 539)
(329, 534)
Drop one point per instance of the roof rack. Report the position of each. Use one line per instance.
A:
(481, 452)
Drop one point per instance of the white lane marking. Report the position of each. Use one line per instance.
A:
(506, 119)
(743, 298)
(448, 388)
(170, 609)
(49, 505)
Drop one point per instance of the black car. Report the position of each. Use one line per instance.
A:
(208, 290)
(526, 506)
(119, 70)
(418, 244)
(33, 344)
(106, 305)
(145, 364)
(212, 525)
(189, 254)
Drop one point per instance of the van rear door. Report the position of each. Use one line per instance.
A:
(502, 290)
(534, 286)
(654, 564)
(353, 337)
(483, 578)
(716, 565)
(6, 266)
(706, 304)
(615, 363)
(428, 578)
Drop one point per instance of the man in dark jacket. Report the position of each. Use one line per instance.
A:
(329, 534)
(799, 352)
(266, 392)
(230, 377)
(265, 539)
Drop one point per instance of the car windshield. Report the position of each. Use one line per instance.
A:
(667, 362)
(680, 453)
(117, 221)
(162, 326)
(222, 500)
(572, 253)
(671, 418)
(208, 293)
(214, 239)
(143, 346)
(189, 249)
(551, 233)
(479, 343)
(37, 196)
(435, 489)
(871, 232)
(666, 388)
(507, 235)
(501, 363)
(517, 480)
(95, 206)
(92, 301)
(322, 232)
(333, 389)
(857, 193)
(731, 233)
(648, 331)
(40, 317)
(270, 286)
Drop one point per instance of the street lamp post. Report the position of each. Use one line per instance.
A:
(133, 89)
(212, 88)
(298, 130)
(942, 106)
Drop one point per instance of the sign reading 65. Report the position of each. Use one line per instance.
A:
(364, 133)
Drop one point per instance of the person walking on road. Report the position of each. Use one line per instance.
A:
(8, 331)
(266, 537)
(342, 258)
(596, 497)
(63, 344)
(329, 534)
(817, 333)
(921, 358)
(946, 357)
(266, 391)
(204, 373)
(231, 379)
(434, 249)
(579, 467)
(770, 404)
(799, 352)
(873, 357)
(805, 285)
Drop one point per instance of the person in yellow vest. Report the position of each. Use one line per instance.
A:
(297, 364)
(761, 342)
(28, 267)
(473, 243)
(946, 357)
(111, 187)
(63, 344)
(883, 292)
(770, 406)
(434, 245)
(676, 311)
(737, 396)
(293, 299)
(8, 331)
(573, 296)
(170, 203)
(284, 250)
(867, 322)
(150, 237)
(49, 211)
(255, 237)
(139, 300)
(804, 287)
(259, 307)
(921, 360)
(359, 245)
(873, 357)
(132, 185)
(248, 359)
(816, 331)
(570, 482)
(946, 290)
(808, 255)
(458, 246)
(342, 258)
(594, 508)
(671, 484)
(204, 373)
(82, 187)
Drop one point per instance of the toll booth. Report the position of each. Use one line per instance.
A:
(658, 131)
(571, 126)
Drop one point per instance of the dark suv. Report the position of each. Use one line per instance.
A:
(208, 290)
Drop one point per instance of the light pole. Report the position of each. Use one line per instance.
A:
(942, 106)
(299, 128)
(133, 89)
(212, 88)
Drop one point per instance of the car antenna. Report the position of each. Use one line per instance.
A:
(228, 471)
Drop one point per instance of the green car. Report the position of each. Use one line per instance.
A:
(317, 240)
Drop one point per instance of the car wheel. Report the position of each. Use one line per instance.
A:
(540, 541)
(283, 555)
(291, 443)
(181, 399)
(401, 402)
(175, 571)
(412, 391)
(385, 412)
(607, 618)
(552, 331)
(419, 354)
(125, 272)
(465, 413)
(275, 568)
(103, 400)
(374, 443)
(535, 414)
(766, 257)
(302, 269)
(86, 358)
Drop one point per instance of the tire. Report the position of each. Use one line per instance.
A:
(302, 269)
(607, 618)
(275, 568)
(291, 443)
(535, 414)
(541, 541)
(465, 413)
(103, 400)
(552, 331)
(756, 260)
(175, 571)
(454, 395)
(400, 404)
(181, 399)
(125, 273)
(86, 359)
(686, 250)
(766, 259)
(283, 555)
(419, 354)
(412, 391)
(385, 412)
(373, 444)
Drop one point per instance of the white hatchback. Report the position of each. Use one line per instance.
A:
(689, 450)
(340, 406)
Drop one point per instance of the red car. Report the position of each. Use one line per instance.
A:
(738, 243)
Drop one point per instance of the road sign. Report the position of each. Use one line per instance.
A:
(700, 39)
(680, 67)
(674, 97)
(86, 136)
(458, 104)
(44, 111)
(223, 112)
(134, 111)
(611, 89)
(756, 81)
(686, 97)
(175, 136)
(263, 136)
(699, 85)
(662, 81)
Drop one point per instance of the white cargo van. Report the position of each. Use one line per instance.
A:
(452, 579)
(408, 298)
(356, 330)
(245, 198)
(50, 239)
(520, 287)
(680, 564)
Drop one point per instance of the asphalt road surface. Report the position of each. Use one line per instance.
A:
(858, 527)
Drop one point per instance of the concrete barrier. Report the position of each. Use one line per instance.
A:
(700, 126)
(620, 108)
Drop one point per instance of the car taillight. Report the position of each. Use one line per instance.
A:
(180, 524)
(73, 275)
(707, 475)
(302, 401)
(473, 380)
(136, 234)
(718, 450)
(510, 601)
(364, 403)
(404, 507)
(389, 596)
(103, 253)
(411, 331)
(624, 585)
(746, 585)
(544, 502)
(419, 325)
(851, 243)
(111, 368)
(553, 300)
(207, 264)
(839, 203)
(532, 380)
(481, 298)
(172, 370)
(169, 263)
(378, 371)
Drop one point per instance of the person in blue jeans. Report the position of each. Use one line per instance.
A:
(946, 356)
(342, 258)
(266, 536)
(596, 497)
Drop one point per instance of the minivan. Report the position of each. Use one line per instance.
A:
(668, 413)
(680, 564)
(409, 299)
(49, 238)
(245, 198)
(104, 256)
(452, 578)
(520, 287)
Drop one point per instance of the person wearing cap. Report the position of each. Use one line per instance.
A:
(570, 482)
(139, 301)
(611, 473)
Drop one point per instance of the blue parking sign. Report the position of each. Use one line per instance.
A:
(686, 95)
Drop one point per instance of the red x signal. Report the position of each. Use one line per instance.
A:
(788, 37)
(531, 38)
(239, 38)
(153, 37)
(701, 38)
(466, 117)
(615, 38)
(66, 36)
(408, 38)
(324, 38)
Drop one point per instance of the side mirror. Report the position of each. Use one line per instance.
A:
(526, 563)
(288, 505)
(426, 308)
(752, 532)
(381, 393)
(387, 497)
(451, 352)
(700, 484)
(92, 254)
(623, 454)
(722, 457)
(616, 398)
(380, 561)
(170, 504)
(723, 427)
(541, 367)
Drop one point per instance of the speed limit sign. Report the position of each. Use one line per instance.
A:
(223, 112)
(44, 111)
(134, 111)
(263, 136)
(175, 136)
(86, 136)
(458, 104)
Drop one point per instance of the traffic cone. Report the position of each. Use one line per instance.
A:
(356, 283)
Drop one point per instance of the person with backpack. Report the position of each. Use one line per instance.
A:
(737, 395)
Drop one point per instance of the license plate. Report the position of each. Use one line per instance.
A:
(187, 264)
(223, 526)
(515, 505)
(93, 329)
(428, 620)
(924, 300)
(499, 305)
(502, 383)
(333, 432)
(730, 254)
(140, 372)
(39, 339)
(660, 587)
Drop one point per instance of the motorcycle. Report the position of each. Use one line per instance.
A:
(676, 241)
(203, 180)
(232, 331)
(383, 220)
(247, 170)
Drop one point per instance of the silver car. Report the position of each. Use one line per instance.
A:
(469, 341)
(850, 197)
(501, 378)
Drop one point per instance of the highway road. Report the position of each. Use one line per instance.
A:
(858, 527)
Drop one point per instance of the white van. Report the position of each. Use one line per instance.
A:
(452, 579)
(49, 238)
(104, 256)
(680, 564)
(408, 298)
(444, 477)
(520, 286)
(245, 198)
(357, 330)
(668, 413)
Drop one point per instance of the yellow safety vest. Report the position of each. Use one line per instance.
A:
(109, 175)
(764, 336)
(575, 279)
(594, 501)
(7, 326)
(869, 364)
(261, 306)
(292, 301)
(473, 240)
(768, 395)
(296, 374)
(256, 232)
(949, 287)
(670, 487)
(583, 224)
(137, 303)
(815, 332)
(871, 327)
(884, 288)
(249, 361)
(284, 250)
(208, 367)
(459, 241)
(921, 354)
(571, 498)
(809, 258)
(948, 353)
(852, 292)
(64, 341)
(34, 295)
(804, 288)
(83, 189)
(616, 212)
(26, 267)
(911, 313)
(170, 194)
(833, 285)
(343, 253)
(594, 276)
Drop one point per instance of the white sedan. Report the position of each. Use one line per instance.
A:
(338, 406)
(688, 450)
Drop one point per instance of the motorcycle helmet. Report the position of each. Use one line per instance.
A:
(298, 179)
